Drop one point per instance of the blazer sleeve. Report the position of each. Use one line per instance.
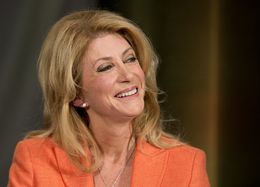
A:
(199, 176)
(21, 171)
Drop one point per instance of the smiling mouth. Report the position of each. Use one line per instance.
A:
(126, 94)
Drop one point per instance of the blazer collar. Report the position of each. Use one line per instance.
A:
(71, 175)
(148, 167)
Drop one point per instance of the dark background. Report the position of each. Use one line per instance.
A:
(209, 52)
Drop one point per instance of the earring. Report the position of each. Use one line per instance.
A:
(84, 105)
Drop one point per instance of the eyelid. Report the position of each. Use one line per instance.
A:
(104, 67)
(131, 58)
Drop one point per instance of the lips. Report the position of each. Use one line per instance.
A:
(127, 93)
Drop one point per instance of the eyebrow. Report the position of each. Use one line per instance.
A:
(109, 58)
(128, 49)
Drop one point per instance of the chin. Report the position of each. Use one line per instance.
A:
(135, 112)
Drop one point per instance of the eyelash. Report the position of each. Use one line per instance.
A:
(132, 59)
(105, 68)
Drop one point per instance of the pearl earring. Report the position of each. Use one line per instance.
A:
(84, 105)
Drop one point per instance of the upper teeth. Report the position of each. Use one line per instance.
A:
(132, 92)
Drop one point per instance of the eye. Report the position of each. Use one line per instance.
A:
(105, 67)
(130, 59)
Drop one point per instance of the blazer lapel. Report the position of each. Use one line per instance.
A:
(149, 165)
(71, 175)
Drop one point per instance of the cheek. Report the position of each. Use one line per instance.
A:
(98, 86)
(140, 74)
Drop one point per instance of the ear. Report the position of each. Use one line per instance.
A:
(78, 102)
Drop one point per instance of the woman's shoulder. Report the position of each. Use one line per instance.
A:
(190, 162)
(181, 148)
(35, 145)
(186, 157)
(185, 149)
(177, 150)
(35, 141)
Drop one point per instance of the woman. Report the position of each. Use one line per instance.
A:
(102, 118)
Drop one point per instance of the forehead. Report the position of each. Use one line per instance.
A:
(105, 45)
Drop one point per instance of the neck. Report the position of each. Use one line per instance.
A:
(114, 138)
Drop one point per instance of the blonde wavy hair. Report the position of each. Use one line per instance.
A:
(60, 74)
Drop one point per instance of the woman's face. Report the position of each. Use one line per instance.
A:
(113, 81)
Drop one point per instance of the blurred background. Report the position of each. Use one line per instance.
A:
(209, 68)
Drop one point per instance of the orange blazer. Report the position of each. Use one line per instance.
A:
(40, 162)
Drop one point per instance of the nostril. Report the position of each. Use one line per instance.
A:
(126, 78)
(125, 75)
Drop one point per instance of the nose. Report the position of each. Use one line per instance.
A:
(124, 73)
